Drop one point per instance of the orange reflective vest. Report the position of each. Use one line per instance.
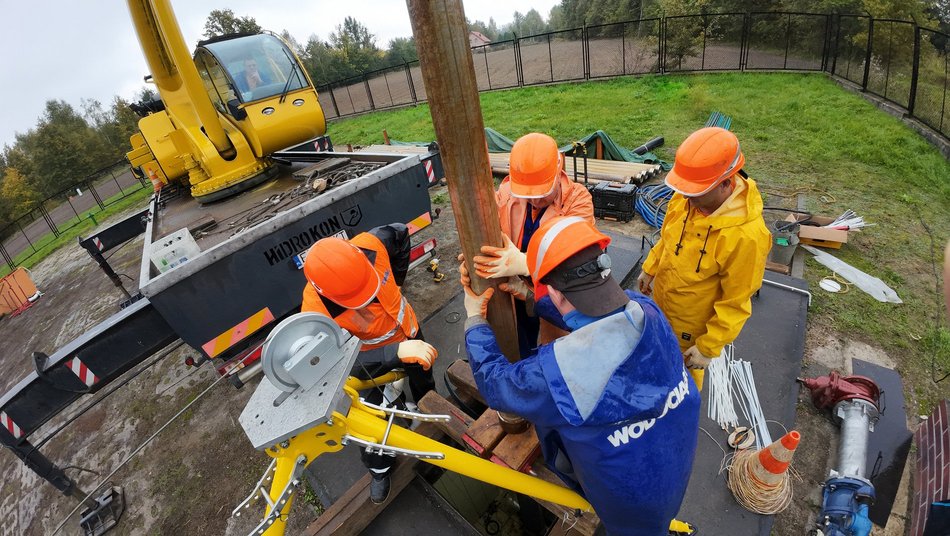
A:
(572, 200)
(387, 319)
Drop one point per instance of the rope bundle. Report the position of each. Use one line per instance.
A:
(753, 495)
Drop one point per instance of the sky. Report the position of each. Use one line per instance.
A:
(71, 50)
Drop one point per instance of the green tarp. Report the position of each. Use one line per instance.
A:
(497, 143)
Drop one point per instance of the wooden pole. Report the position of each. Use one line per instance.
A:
(449, 74)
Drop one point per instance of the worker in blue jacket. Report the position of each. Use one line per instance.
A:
(615, 410)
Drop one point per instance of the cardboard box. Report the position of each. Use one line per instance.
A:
(819, 236)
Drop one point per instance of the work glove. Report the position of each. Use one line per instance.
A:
(464, 278)
(694, 359)
(645, 283)
(418, 352)
(505, 261)
(517, 288)
(477, 304)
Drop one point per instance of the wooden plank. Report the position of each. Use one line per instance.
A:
(776, 267)
(518, 451)
(434, 403)
(460, 374)
(353, 511)
(583, 525)
(397, 149)
(484, 434)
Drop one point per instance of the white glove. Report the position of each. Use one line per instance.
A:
(517, 288)
(418, 352)
(645, 283)
(505, 261)
(477, 305)
(694, 359)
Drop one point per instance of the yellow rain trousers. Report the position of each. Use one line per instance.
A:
(707, 268)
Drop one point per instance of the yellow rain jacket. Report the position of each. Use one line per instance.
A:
(707, 268)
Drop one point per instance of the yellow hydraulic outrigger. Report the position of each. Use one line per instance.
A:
(212, 129)
(307, 359)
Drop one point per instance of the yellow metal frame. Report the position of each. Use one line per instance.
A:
(370, 425)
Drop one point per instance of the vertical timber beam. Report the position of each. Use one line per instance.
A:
(449, 75)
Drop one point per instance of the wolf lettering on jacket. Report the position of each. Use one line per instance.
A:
(624, 434)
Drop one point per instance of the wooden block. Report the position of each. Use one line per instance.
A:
(518, 451)
(434, 403)
(484, 434)
(585, 524)
(353, 511)
(460, 374)
(776, 267)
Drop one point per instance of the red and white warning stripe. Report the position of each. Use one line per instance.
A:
(8, 423)
(98, 243)
(80, 369)
(429, 171)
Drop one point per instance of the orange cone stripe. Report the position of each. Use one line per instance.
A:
(771, 464)
(238, 333)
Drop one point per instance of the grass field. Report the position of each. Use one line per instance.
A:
(800, 133)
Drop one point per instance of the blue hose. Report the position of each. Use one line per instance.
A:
(651, 203)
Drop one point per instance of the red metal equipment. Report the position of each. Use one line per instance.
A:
(826, 391)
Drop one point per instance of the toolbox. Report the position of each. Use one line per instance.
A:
(613, 200)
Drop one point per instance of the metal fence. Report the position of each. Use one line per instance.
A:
(48, 220)
(896, 60)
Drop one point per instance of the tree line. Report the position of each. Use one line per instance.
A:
(67, 144)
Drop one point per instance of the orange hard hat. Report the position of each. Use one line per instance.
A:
(559, 239)
(534, 166)
(341, 273)
(706, 158)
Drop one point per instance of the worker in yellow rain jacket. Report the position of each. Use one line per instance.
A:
(710, 258)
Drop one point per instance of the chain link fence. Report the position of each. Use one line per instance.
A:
(896, 60)
(48, 220)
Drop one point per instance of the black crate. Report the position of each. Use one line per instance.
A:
(614, 196)
(616, 215)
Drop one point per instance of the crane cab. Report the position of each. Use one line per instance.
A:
(258, 84)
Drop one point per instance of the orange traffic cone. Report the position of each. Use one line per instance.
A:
(759, 480)
(156, 182)
(773, 460)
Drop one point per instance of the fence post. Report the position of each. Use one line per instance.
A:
(834, 52)
(518, 68)
(369, 93)
(912, 99)
(826, 43)
(487, 68)
(550, 59)
(412, 86)
(6, 257)
(585, 49)
(336, 109)
(95, 195)
(867, 55)
(49, 221)
(661, 44)
(25, 236)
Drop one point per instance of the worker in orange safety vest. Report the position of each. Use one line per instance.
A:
(535, 191)
(357, 283)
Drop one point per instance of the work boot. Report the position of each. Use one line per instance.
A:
(379, 487)
(682, 528)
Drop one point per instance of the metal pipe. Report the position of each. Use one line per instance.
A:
(856, 425)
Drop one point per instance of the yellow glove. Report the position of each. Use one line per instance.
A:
(644, 283)
(475, 304)
(517, 288)
(505, 261)
(694, 359)
(418, 352)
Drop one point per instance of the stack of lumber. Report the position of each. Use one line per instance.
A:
(597, 170)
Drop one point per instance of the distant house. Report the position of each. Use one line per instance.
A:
(476, 39)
